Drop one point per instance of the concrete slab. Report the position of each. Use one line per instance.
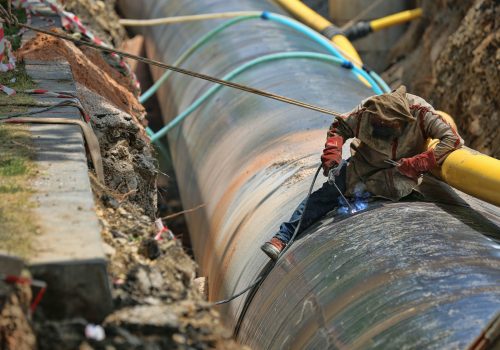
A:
(55, 85)
(49, 72)
(69, 255)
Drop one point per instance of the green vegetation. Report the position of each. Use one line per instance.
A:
(16, 166)
(18, 80)
(16, 169)
(11, 31)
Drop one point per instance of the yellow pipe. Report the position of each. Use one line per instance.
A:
(470, 171)
(395, 19)
(319, 23)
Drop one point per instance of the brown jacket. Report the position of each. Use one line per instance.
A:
(367, 166)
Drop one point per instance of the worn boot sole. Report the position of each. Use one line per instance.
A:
(270, 250)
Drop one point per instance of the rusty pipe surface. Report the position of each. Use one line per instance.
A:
(416, 274)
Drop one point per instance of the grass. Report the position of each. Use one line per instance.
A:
(18, 80)
(17, 226)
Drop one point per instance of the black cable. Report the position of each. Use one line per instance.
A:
(302, 216)
(261, 278)
(234, 296)
(60, 104)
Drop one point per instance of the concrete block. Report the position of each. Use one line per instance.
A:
(68, 254)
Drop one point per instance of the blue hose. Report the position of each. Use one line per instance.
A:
(301, 28)
(278, 19)
(239, 70)
(377, 83)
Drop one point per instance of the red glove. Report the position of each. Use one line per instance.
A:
(416, 165)
(332, 154)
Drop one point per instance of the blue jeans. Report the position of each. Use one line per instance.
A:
(320, 202)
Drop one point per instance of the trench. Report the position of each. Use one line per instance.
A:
(169, 202)
(349, 282)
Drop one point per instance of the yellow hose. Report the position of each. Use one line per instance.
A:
(319, 23)
(395, 19)
(470, 171)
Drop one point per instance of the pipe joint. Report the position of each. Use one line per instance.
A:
(358, 30)
(347, 64)
(331, 31)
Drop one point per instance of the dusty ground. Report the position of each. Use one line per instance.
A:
(452, 58)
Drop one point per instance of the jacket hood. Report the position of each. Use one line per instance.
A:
(389, 107)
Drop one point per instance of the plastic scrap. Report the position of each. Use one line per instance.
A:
(95, 332)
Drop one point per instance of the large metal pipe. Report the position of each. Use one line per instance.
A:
(414, 273)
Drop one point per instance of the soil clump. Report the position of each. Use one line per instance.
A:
(451, 57)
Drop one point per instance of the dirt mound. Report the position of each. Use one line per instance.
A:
(452, 58)
(129, 165)
(91, 71)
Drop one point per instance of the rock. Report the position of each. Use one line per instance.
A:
(109, 201)
(150, 248)
(201, 285)
(145, 319)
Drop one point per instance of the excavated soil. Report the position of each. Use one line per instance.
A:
(89, 69)
(452, 58)
(129, 165)
(15, 328)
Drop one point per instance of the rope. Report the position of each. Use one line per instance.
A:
(199, 43)
(328, 45)
(187, 72)
(182, 19)
(272, 57)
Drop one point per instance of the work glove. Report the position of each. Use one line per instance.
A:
(415, 166)
(332, 153)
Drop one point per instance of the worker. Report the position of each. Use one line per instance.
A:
(388, 156)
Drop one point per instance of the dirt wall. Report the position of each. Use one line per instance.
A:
(451, 57)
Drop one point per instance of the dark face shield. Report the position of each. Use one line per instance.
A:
(385, 130)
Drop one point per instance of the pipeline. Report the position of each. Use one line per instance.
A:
(378, 86)
(406, 274)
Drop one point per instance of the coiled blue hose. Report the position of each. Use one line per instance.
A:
(372, 78)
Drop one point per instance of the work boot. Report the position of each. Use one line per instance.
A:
(273, 248)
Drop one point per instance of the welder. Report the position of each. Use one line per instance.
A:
(388, 157)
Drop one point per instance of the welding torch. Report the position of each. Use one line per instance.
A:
(332, 173)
